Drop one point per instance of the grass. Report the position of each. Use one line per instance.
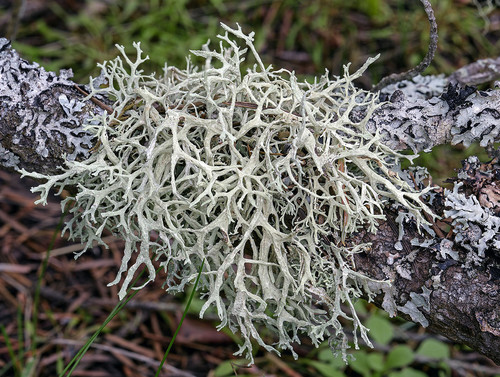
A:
(24, 364)
(308, 36)
(190, 299)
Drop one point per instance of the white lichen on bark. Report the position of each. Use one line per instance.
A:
(427, 111)
(259, 175)
(26, 90)
(476, 228)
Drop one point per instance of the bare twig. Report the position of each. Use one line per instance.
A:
(101, 104)
(17, 13)
(433, 39)
(479, 72)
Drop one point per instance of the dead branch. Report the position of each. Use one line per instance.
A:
(459, 298)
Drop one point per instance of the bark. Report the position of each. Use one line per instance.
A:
(449, 282)
(447, 296)
(41, 116)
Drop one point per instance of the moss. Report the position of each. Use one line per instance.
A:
(261, 176)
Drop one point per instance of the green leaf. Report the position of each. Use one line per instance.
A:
(434, 348)
(407, 372)
(327, 356)
(360, 364)
(381, 330)
(327, 370)
(360, 306)
(376, 361)
(445, 369)
(224, 369)
(399, 356)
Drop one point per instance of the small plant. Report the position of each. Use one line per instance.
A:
(259, 175)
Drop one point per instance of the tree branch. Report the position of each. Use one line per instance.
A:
(435, 281)
(432, 110)
(450, 297)
(480, 72)
(41, 116)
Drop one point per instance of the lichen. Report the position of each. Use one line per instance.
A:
(476, 227)
(33, 105)
(411, 119)
(418, 300)
(418, 87)
(417, 177)
(259, 175)
(420, 117)
(477, 120)
(8, 159)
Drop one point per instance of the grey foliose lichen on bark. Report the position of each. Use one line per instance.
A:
(259, 175)
(32, 125)
(431, 110)
(474, 211)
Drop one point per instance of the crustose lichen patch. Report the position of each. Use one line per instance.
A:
(260, 175)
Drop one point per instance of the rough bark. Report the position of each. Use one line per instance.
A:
(461, 302)
(41, 116)
(41, 124)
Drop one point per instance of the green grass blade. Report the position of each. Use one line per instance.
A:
(29, 368)
(10, 350)
(6, 368)
(118, 307)
(182, 320)
(20, 348)
(76, 359)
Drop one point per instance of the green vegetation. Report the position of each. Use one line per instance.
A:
(306, 35)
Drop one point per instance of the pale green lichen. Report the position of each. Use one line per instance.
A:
(258, 174)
